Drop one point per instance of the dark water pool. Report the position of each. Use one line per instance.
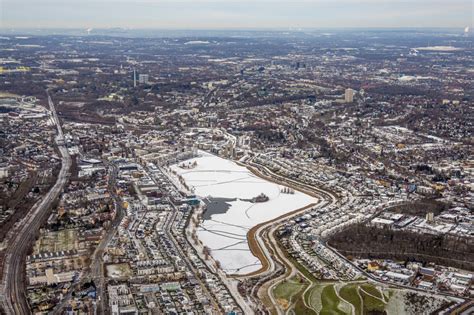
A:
(216, 206)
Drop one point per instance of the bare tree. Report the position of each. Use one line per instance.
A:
(206, 251)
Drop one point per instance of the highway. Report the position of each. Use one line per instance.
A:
(14, 283)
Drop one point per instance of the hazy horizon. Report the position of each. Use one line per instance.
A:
(234, 15)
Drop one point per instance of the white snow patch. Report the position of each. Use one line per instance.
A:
(226, 233)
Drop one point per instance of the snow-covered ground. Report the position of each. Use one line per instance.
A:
(226, 233)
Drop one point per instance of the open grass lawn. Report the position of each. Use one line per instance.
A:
(330, 301)
(300, 308)
(323, 298)
(287, 289)
(349, 293)
(371, 290)
(371, 303)
(313, 297)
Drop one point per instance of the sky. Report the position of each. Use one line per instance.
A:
(232, 14)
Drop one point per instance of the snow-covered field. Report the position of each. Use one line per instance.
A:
(226, 233)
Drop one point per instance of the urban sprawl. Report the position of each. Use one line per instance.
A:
(237, 173)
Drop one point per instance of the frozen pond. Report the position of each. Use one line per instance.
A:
(227, 189)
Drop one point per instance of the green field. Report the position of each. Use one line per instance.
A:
(290, 295)
(371, 303)
(313, 297)
(287, 289)
(324, 299)
(349, 293)
(330, 301)
(300, 307)
(371, 290)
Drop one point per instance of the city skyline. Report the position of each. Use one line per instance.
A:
(213, 14)
(236, 172)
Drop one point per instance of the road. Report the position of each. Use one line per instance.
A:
(170, 218)
(332, 198)
(265, 235)
(14, 282)
(247, 306)
(169, 221)
(198, 249)
(96, 269)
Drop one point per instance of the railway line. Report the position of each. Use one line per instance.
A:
(14, 300)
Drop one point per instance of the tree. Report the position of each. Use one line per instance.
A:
(206, 251)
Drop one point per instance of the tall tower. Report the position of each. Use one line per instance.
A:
(134, 77)
(349, 96)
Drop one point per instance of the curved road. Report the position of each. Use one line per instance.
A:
(266, 241)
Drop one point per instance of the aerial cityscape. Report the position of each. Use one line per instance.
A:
(267, 171)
